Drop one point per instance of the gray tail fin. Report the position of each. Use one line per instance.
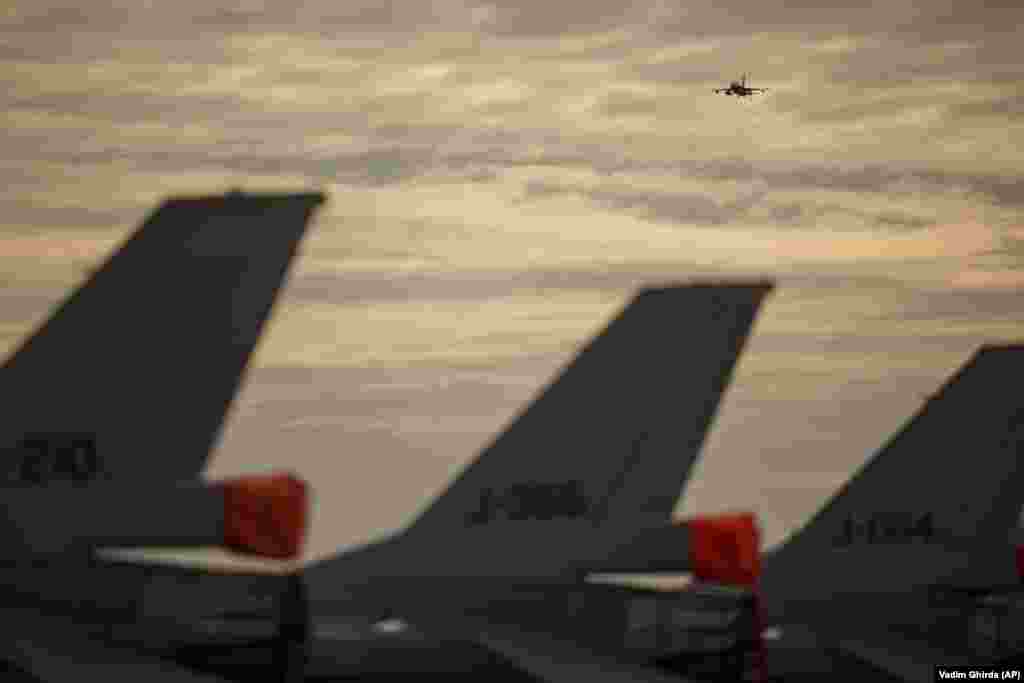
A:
(950, 480)
(133, 373)
(616, 434)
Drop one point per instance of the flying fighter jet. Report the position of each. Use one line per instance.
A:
(111, 408)
(739, 88)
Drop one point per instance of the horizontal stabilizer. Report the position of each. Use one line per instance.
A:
(717, 548)
(262, 515)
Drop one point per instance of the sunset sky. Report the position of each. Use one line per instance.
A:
(502, 175)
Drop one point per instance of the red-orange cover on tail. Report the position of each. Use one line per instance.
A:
(265, 514)
(726, 549)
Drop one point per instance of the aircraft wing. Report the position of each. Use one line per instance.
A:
(55, 650)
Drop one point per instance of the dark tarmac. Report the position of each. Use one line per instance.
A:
(463, 662)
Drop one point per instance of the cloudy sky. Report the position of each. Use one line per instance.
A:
(503, 174)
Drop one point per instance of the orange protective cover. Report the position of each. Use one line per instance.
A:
(266, 514)
(726, 549)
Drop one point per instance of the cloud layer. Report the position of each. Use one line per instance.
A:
(503, 174)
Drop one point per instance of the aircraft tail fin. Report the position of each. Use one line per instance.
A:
(616, 434)
(936, 505)
(133, 373)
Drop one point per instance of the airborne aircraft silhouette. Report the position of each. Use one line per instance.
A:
(739, 88)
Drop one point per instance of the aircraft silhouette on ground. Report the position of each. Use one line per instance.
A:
(111, 409)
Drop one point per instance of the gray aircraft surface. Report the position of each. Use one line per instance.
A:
(142, 414)
(739, 88)
(111, 408)
(560, 489)
(856, 582)
(597, 458)
(500, 565)
(933, 512)
(908, 522)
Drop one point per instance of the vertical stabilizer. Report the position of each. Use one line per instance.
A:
(616, 434)
(936, 505)
(133, 373)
